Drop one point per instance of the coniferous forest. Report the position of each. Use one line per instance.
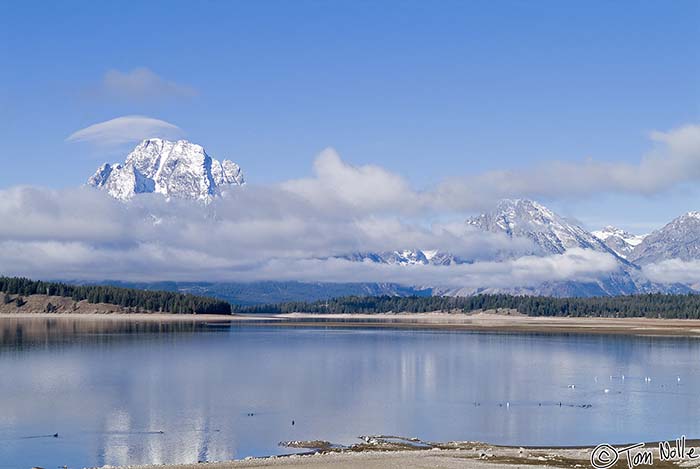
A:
(655, 305)
(156, 301)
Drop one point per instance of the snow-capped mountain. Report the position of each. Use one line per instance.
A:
(174, 169)
(405, 257)
(549, 232)
(679, 239)
(620, 241)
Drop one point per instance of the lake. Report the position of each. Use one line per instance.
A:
(135, 393)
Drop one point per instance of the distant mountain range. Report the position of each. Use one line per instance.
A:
(184, 170)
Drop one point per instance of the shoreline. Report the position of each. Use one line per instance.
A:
(475, 322)
(499, 322)
(447, 455)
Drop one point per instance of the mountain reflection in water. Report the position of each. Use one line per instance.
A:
(148, 392)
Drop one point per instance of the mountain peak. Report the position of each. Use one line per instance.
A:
(179, 169)
(523, 218)
(678, 239)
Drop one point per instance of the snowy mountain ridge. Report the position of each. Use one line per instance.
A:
(174, 169)
(619, 240)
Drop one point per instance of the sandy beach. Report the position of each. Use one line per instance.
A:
(447, 459)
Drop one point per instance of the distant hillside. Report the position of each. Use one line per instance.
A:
(12, 304)
(15, 290)
(266, 292)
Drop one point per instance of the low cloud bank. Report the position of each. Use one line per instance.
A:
(674, 271)
(249, 235)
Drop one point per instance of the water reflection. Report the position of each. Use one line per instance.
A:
(181, 392)
(23, 332)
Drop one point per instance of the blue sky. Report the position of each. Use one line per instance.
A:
(427, 90)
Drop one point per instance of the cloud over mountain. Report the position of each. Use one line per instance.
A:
(125, 129)
(250, 234)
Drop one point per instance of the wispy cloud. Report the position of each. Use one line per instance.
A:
(125, 129)
(675, 159)
(142, 83)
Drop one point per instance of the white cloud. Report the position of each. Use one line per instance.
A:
(365, 188)
(526, 271)
(674, 271)
(142, 83)
(125, 129)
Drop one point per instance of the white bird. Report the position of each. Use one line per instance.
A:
(606, 391)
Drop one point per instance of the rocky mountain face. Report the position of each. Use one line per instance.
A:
(620, 241)
(174, 169)
(679, 239)
(550, 233)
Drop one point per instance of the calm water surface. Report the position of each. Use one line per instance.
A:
(121, 393)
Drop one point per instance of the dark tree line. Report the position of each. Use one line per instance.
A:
(160, 301)
(654, 305)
